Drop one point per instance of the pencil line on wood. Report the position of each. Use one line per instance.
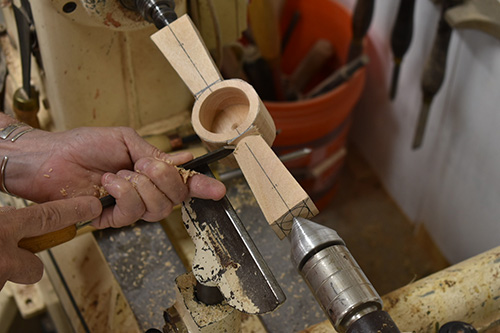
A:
(268, 178)
(189, 57)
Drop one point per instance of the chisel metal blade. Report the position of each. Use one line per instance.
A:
(227, 257)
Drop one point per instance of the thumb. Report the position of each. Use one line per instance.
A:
(55, 215)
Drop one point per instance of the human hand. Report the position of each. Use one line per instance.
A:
(91, 161)
(21, 266)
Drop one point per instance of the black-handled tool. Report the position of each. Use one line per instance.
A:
(361, 20)
(401, 36)
(434, 71)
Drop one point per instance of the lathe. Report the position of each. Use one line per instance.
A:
(98, 63)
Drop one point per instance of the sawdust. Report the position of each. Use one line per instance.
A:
(207, 266)
(186, 174)
(100, 191)
(245, 195)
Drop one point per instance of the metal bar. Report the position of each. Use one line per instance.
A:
(468, 291)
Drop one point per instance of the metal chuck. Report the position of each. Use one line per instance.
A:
(159, 12)
(336, 280)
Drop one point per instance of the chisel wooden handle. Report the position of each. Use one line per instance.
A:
(43, 242)
(265, 31)
(26, 108)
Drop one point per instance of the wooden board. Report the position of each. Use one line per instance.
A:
(99, 298)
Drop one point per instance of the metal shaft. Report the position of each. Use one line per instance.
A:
(159, 12)
(334, 277)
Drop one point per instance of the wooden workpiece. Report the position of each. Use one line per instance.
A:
(231, 112)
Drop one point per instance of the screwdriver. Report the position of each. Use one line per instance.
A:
(400, 39)
(361, 19)
(434, 71)
(39, 243)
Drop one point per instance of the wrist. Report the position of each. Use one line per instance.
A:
(16, 155)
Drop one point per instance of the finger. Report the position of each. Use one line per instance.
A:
(204, 187)
(6, 209)
(166, 178)
(140, 148)
(26, 268)
(175, 159)
(157, 204)
(129, 206)
(43, 218)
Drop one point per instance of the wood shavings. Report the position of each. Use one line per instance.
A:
(100, 191)
(186, 174)
(163, 159)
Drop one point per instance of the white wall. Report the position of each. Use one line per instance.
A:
(452, 183)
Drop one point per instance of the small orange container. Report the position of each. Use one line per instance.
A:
(321, 123)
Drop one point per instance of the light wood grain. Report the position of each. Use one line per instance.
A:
(181, 44)
(43, 242)
(278, 194)
(95, 290)
(231, 112)
(28, 299)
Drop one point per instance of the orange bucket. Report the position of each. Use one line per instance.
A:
(320, 123)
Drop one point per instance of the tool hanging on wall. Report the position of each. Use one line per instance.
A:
(401, 39)
(26, 102)
(434, 71)
(361, 20)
